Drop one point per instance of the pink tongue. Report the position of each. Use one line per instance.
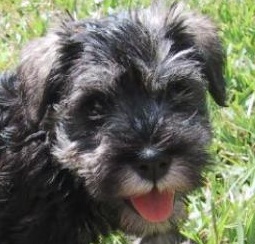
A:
(154, 206)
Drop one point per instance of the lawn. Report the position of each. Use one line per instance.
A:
(224, 210)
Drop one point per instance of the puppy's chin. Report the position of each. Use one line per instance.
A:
(133, 223)
(149, 209)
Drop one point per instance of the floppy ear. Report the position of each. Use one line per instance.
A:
(43, 72)
(37, 61)
(191, 30)
(208, 44)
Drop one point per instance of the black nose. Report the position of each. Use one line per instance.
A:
(152, 165)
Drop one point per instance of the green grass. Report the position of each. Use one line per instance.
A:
(224, 210)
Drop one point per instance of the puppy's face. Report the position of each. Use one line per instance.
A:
(130, 134)
(130, 119)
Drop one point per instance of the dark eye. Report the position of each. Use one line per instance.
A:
(95, 109)
(186, 95)
(181, 90)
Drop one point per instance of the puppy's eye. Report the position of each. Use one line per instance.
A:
(186, 96)
(95, 109)
(180, 89)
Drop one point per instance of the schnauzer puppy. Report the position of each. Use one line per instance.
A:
(104, 126)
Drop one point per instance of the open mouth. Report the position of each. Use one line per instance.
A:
(154, 206)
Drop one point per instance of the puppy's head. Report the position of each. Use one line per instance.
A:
(125, 98)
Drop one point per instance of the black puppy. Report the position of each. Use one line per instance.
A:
(104, 126)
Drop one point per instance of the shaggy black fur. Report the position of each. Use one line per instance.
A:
(98, 111)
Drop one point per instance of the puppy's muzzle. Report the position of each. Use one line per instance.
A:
(152, 165)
